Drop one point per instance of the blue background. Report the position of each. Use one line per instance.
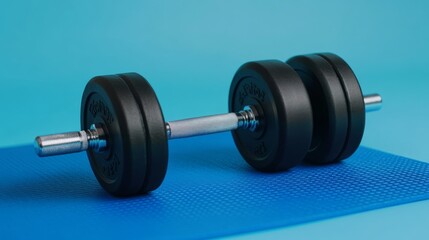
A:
(189, 51)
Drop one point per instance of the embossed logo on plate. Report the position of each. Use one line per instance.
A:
(252, 90)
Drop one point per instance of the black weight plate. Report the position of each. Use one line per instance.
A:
(330, 115)
(281, 100)
(121, 170)
(355, 103)
(156, 136)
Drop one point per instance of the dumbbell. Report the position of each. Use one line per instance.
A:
(309, 108)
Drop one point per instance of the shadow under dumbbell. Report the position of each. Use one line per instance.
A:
(202, 153)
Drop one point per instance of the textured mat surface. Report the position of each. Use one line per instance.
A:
(209, 191)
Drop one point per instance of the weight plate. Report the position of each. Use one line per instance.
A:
(355, 103)
(156, 136)
(284, 135)
(330, 115)
(108, 101)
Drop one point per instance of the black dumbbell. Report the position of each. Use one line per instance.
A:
(338, 106)
(273, 106)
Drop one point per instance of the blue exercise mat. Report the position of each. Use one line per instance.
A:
(209, 191)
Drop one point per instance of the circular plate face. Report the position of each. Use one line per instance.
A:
(330, 115)
(355, 103)
(122, 169)
(283, 136)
